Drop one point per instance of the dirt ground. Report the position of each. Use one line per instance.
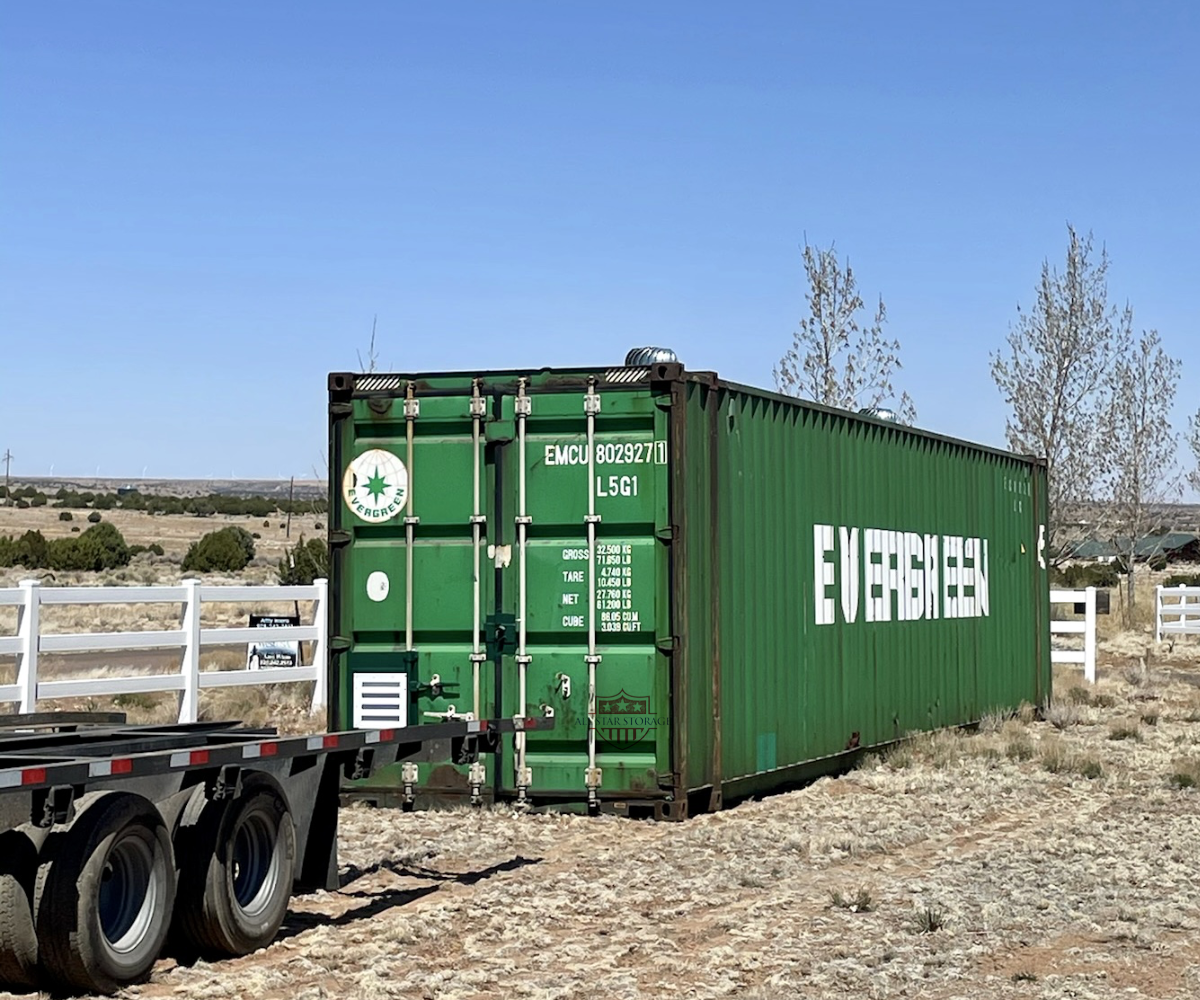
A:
(1047, 858)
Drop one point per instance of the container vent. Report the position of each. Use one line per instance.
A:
(377, 383)
(380, 700)
(626, 374)
(881, 413)
(650, 356)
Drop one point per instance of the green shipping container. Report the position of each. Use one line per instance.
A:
(715, 590)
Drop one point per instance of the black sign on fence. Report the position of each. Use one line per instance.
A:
(269, 653)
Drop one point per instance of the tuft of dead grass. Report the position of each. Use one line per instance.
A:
(1062, 714)
(993, 721)
(1078, 695)
(860, 902)
(1018, 746)
(1125, 730)
(928, 920)
(1185, 774)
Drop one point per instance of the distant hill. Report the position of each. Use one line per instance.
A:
(306, 489)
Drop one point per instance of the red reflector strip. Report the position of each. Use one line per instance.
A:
(33, 776)
(531, 723)
(387, 735)
(122, 766)
(329, 741)
(268, 749)
(483, 724)
(198, 757)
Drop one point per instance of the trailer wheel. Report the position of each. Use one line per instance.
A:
(18, 938)
(240, 859)
(104, 894)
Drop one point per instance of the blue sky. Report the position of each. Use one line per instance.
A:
(202, 206)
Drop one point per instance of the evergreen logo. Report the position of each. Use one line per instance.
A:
(375, 485)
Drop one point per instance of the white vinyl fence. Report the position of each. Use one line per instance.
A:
(1176, 612)
(1086, 628)
(190, 639)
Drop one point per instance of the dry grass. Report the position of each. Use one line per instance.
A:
(174, 532)
(952, 866)
(285, 706)
(1032, 857)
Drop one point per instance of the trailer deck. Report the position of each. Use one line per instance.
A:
(117, 841)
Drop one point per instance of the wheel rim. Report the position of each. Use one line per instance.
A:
(255, 865)
(128, 893)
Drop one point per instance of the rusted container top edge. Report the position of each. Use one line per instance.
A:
(617, 376)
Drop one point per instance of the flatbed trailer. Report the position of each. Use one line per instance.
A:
(120, 841)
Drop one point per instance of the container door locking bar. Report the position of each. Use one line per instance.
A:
(592, 777)
(477, 772)
(523, 407)
(412, 410)
(478, 524)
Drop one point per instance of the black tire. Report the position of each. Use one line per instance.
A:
(240, 860)
(18, 938)
(104, 894)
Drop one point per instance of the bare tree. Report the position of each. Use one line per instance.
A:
(835, 358)
(1055, 376)
(372, 361)
(1140, 470)
(1193, 439)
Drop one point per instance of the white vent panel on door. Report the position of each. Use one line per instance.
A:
(380, 701)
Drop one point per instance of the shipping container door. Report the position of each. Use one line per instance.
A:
(583, 484)
(412, 474)
(501, 548)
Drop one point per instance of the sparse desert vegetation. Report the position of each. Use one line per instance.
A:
(949, 867)
(146, 549)
(1045, 854)
(174, 532)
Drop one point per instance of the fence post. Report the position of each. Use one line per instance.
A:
(189, 699)
(1089, 636)
(321, 620)
(1183, 602)
(1158, 613)
(28, 631)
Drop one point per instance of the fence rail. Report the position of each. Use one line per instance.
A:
(1085, 628)
(190, 638)
(1183, 611)
(189, 680)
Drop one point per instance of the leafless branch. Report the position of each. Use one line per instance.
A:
(835, 358)
(1056, 377)
(372, 356)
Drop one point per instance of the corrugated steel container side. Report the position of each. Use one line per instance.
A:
(779, 584)
(848, 581)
